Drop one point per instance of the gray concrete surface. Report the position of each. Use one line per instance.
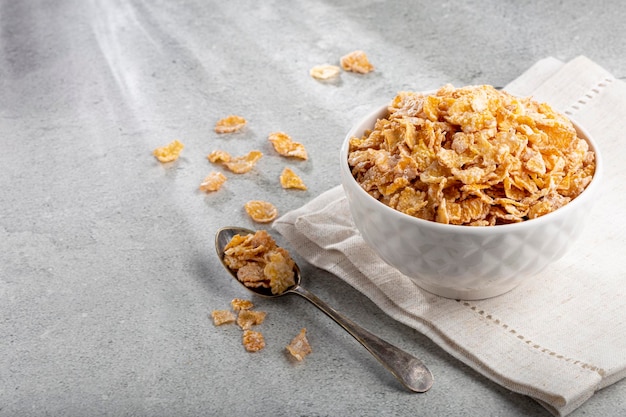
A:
(107, 266)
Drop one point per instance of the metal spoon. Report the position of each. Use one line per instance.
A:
(410, 371)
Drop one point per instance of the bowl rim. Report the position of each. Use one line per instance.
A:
(382, 111)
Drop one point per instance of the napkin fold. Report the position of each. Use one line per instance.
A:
(561, 335)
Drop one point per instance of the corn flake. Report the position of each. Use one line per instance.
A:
(241, 304)
(243, 164)
(289, 179)
(222, 317)
(324, 72)
(248, 318)
(213, 182)
(299, 346)
(230, 124)
(237, 165)
(279, 270)
(218, 157)
(472, 156)
(169, 152)
(252, 276)
(285, 146)
(356, 61)
(253, 341)
(259, 262)
(261, 211)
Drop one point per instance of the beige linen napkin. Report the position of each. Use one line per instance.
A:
(559, 336)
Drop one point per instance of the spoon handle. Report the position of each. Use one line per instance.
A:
(408, 369)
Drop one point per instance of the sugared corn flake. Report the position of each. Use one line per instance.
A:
(356, 61)
(213, 182)
(218, 157)
(472, 156)
(248, 318)
(259, 262)
(222, 317)
(169, 152)
(243, 164)
(279, 271)
(285, 146)
(261, 211)
(230, 124)
(245, 249)
(238, 165)
(252, 275)
(325, 72)
(299, 347)
(253, 341)
(240, 304)
(289, 179)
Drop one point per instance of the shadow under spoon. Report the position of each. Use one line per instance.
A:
(409, 370)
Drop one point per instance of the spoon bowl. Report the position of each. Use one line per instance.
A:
(409, 370)
(223, 236)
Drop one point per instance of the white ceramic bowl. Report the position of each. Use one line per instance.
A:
(464, 262)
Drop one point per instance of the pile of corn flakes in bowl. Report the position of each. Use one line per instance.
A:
(469, 191)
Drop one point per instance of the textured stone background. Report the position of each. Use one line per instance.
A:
(107, 267)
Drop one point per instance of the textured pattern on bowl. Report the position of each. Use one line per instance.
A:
(464, 262)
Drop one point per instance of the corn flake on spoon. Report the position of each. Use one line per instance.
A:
(410, 371)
